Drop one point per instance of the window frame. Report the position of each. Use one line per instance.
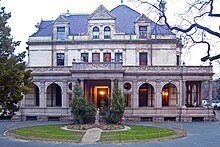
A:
(104, 57)
(143, 60)
(60, 33)
(117, 57)
(86, 55)
(95, 33)
(61, 61)
(142, 32)
(107, 32)
(93, 54)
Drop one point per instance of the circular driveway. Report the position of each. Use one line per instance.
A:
(199, 134)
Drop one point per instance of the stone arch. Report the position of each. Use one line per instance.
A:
(32, 99)
(146, 94)
(54, 95)
(169, 95)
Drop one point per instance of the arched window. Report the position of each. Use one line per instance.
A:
(169, 95)
(146, 95)
(107, 33)
(95, 33)
(54, 95)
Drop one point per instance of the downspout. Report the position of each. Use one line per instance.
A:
(151, 55)
(52, 51)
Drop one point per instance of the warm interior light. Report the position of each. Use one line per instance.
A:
(101, 92)
(165, 93)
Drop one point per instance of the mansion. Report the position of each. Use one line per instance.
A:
(96, 49)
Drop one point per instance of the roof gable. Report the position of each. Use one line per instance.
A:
(143, 18)
(60, 19)
(101, 13)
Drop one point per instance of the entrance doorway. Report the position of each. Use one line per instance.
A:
(102, 94)
(97, 91)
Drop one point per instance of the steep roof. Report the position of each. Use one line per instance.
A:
(125, 18)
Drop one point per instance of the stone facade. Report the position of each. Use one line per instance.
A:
(119, 44)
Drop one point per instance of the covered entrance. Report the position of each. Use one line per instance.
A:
(97, 91)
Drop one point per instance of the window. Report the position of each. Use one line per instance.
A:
(127, 100)
(177, 60)
(95, 33)
(60, 58)
(107, 33)
(84, 57)
(60, 33)
(142, 31)
(95, 57)
(118, 57)
(107, 57)
(143, 59)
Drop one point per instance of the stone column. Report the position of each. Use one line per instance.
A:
(158, 99)
(120, 85)
(64, 95)
(200, 92)
(112, 86)
(43, 98)
(134, 99)
(180, 94)
(73, 85)
(183, 93)
(210, 93)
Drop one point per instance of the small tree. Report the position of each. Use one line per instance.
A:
(78, 104)
(82, 112)
(117, 105)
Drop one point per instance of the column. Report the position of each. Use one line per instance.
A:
(64, 95)
(22, 103)
(43, 98)
(135, 98)
(73, 85)
(158, 99)
(210, 93)
(112, 86)
(180, 94)
(120, 85)
(200, 92)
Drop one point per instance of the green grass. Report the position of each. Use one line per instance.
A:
(48, 132)
(56, 133)
(137, 133)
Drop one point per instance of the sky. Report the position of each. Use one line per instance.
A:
(26, 14)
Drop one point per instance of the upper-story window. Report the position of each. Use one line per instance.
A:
(84, 57)
(142, 31)
(60, 33)
(95, 57)
(60, 59)
(107, 33)
(95, 33)
(143, 59)
(118, 57)
(107, 57)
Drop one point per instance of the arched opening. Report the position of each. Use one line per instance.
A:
(54, 95)
(107, 33)
(169, 95)
(95, 33)
(146, 95)
(32, 98)
(36, 95)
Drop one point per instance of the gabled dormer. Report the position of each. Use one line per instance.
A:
(60, 28)
(101, 24)
(143, 27)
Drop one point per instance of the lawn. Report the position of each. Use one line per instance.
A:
(54, 132)
(137, 133)
(48, 132)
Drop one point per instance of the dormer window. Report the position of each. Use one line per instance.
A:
(95, 33)
(107, 33)
(60, 33)
(142, 31)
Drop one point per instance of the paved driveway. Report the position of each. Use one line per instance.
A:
(200, 134)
